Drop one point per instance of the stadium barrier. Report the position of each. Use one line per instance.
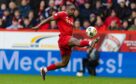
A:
(24, 52)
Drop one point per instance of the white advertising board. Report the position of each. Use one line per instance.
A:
(29, 40)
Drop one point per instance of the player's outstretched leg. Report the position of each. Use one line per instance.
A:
(63, 63)
(82, 43)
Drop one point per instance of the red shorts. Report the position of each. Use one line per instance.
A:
(65, 49)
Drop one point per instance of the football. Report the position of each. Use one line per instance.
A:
(91, 31)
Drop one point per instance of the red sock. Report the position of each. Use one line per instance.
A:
(84, 43)
(51, 67)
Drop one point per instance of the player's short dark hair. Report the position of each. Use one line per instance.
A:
(71, 6)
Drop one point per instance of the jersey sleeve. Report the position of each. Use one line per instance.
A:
(59, 15)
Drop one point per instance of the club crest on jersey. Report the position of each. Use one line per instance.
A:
(69, 21)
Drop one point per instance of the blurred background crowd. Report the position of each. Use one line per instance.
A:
(103, 14)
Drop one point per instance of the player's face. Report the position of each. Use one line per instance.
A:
(71, 11)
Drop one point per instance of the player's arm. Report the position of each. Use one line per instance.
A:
(43, 22)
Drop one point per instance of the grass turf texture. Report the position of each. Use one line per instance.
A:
(34, 79)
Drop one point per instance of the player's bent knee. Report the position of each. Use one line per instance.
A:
(74, 42)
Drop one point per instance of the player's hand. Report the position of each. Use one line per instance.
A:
(35, 28)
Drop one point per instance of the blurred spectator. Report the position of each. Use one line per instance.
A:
(68, 2)
(3, 7)
(15, 25)
(34, 4)
(133, 6)
(77, 25)
(76, 15)
(24, 8)
(27, 23)
(98, 10)
(1, 23)
(50, 9)
(12, 7)
(7, 1)
(131, 18)
(40, 18)
(85, 24)
(108, 8)
(133, 27)
(17, 15)
(7, 19)
(133, 15)
(58, 2)
(99, 24)
(80, 2)
(119, 1)
(63, 8)
(112, 18)
(123, 11)
(41, 8)
(32, 18)
(92, 19)
(85, 11)
(113, 25)
(125, 25)
(53, 25)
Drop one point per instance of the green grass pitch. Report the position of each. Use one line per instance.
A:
(34, 79)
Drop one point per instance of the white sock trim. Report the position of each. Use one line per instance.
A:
(90, 43)
(45, 69)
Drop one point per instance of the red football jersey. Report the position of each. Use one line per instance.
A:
(64, 22)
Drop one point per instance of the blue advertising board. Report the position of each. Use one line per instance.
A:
(116, 64)
(112, 64)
